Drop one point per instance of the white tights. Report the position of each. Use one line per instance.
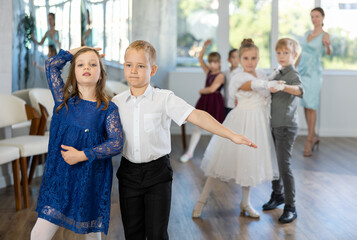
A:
(195, 137)
(45, 230)
(210, 183)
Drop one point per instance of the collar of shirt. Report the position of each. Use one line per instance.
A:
(148, 94)
(285, 70)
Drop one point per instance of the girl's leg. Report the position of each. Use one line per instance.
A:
(43, 230)
(195, 137)
(245, 205)
(197, 210)
(93, 236)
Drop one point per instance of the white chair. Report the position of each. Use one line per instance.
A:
(116, 86)
(44, 97)
(11, 154)
(23, 128)
(14, 110)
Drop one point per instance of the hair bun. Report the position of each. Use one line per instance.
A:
(247, 42)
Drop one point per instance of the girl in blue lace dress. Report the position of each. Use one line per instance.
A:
(85, 133)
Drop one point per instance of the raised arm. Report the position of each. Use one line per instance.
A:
(217, 82)
(200, 56)
(54, 67)
(206, 121)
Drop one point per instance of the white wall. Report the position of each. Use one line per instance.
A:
(338, 115)
(6, 46)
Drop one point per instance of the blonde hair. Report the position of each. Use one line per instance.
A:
(147, 47)
(287, 43)
(247, 44)
(70, 89)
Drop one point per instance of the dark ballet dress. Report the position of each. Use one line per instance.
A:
(77, 196)
(212, 103)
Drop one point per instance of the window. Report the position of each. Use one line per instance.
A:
(251, 19)
(294, 18)
(340, 23)
(110, 26)
(66, 18)
(197, 22)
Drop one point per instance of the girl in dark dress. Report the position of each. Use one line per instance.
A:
(211, 99)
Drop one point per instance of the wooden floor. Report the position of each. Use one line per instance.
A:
(326, 190)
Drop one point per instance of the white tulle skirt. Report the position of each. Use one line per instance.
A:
(245, 165)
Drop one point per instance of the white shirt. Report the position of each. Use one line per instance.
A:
(146, 122)
(229, 99)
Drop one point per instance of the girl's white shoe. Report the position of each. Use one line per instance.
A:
(197, 210)
(249, 210)
(186, 157)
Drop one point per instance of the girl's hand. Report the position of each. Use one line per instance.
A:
(75, 50)
(207, 42)
(240, 139)
(72, 156)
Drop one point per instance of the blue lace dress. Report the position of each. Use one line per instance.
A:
(77, 197)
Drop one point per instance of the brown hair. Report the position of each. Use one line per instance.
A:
(214, 57)
(320, 10)
(247, 44)
(147, 47)
(287, 43)
(70, 89)
(230, 53)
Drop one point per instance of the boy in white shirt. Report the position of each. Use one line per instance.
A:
(145, 174)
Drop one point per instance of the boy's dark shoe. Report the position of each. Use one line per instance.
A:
(289, 214)
(275, 200)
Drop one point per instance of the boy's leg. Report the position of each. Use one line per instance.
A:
(131, 198)
(158, 198)
(157, 211)
(43, 230)
(284, 142)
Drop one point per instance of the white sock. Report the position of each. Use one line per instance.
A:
(245, 196)
(195, 137)
(43, 230)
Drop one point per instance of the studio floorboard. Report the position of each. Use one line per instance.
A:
(326, 192)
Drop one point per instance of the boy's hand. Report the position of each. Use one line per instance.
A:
(240, 139)
(72, 156)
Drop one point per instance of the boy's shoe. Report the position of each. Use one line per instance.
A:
(289, 214)
(274, 202)
(186, 157)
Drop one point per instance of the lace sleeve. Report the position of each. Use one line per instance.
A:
(114, 143)
(54, 66)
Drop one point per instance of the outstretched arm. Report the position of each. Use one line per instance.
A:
(218, 81)
(206, 121)
(200, 56)
(42, 40)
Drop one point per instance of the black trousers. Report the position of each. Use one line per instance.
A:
(145, 198)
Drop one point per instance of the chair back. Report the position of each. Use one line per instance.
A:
(24, 95)
(44, 97)
(12, 110)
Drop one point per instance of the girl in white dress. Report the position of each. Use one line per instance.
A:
(226, 161)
